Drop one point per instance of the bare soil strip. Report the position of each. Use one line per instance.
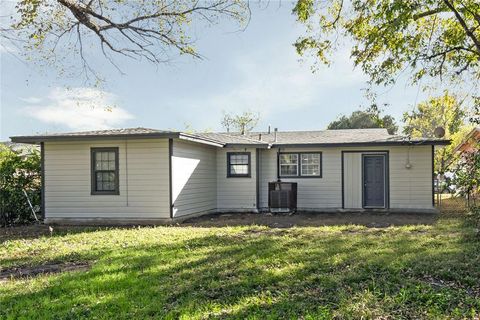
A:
(31, 271)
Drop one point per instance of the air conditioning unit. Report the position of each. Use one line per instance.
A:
(282, 197)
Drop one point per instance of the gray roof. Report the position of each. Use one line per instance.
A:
(232, 138)
(260, 139)
(322, 136)
(104, 133)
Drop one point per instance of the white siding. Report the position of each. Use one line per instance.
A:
(313, 193)
(194, 178)
(409, 188)
(237, 194)
(352, 180)
(68, 180)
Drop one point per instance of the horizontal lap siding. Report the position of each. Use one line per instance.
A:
(235, 193)
(313, 193)
(352, 174)
(68, 180)
(411, 188)
(194, 179)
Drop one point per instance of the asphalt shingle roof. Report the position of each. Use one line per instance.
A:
(230, 138)
(321, 137)
(110, 132)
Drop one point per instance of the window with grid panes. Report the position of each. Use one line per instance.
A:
(238, 164)
(105, 171)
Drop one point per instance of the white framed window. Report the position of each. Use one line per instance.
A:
(310, 165)
(288, 164)
(301, 164)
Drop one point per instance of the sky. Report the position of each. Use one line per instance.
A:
(252, 70)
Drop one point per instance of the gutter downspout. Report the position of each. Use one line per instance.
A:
(257, 168)
(42, 179)
(170, 154)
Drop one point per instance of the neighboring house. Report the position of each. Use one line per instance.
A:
(151, 176)
(470, 143)
(21, 148)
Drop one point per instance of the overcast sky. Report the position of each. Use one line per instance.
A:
(256, 69)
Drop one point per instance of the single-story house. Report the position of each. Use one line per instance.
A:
(144, 175)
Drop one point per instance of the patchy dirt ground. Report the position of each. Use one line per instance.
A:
(38, 230)
(29, 271)
(369, 219)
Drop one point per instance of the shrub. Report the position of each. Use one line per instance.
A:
(467, 176)
(18, 172)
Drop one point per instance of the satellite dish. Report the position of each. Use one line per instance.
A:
(439, 132)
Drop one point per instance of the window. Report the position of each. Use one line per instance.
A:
(310, 166)
(288, 164)
(238, 164)
(300, 165)
(104, 170)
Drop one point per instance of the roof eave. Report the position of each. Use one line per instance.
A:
(39, 139)
(195, 138)
(357, 144)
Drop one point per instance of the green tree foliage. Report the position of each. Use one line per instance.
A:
(140, 29)
(17, 173)
(370, 118)
(443, 111)
(243, 123)
(430, 37)
(467, 181)
(467, 172)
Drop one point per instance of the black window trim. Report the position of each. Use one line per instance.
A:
(299, 164)
(233, 175)
(92, 170)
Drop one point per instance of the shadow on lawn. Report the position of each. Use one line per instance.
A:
(300, 219)
(35, 231)
(279, 274)
(314, 219)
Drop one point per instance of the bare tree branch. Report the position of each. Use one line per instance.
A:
(138, 30)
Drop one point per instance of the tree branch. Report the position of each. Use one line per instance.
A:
(464, 26)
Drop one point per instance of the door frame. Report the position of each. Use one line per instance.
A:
(386, 175)
(387, 162)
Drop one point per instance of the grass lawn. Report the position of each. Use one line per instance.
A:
(249, 272)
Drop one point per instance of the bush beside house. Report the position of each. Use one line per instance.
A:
(19, 172)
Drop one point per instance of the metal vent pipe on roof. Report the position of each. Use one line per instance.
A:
(275, 134)
(269, 128)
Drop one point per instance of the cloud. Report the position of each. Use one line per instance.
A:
(78, 109)
(32, 100)
(273, 80)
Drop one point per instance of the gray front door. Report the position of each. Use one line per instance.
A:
(374, 181)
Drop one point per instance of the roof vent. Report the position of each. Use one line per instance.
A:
(275, 134)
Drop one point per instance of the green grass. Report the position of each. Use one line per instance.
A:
(249, 272)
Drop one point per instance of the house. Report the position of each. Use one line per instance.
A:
(470, 143)
(151, 176)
